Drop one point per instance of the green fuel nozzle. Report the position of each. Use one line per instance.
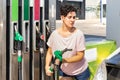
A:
(18, 37)
(19, 58)
(51, 69)
(58, 53)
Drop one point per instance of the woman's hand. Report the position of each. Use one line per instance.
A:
(48, 72)
(57, 62)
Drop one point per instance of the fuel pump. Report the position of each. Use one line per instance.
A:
(13, 44)
(36, 53)
(18, 38)
(26, 26)
(25, 31)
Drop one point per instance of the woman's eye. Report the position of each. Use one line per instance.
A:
(74, 17)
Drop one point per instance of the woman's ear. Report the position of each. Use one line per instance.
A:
(62, 17)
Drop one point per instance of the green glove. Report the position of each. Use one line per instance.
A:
(58, 54)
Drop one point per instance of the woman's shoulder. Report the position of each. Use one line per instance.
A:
(53, 33)
(78, 31)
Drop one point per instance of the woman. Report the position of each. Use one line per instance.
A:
(67, 36)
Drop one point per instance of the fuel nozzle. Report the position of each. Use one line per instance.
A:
(58, 53)
(18, 37)
(66, 49)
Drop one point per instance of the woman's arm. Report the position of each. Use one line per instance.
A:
(48, 57)
(48, 61)
(78, 57)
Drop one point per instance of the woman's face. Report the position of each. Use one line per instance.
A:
(69, 20)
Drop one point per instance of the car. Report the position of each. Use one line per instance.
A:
(109, 69)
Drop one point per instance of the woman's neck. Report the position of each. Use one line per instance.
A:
(67, 29)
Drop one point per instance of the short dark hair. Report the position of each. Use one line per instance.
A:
(66, 8)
